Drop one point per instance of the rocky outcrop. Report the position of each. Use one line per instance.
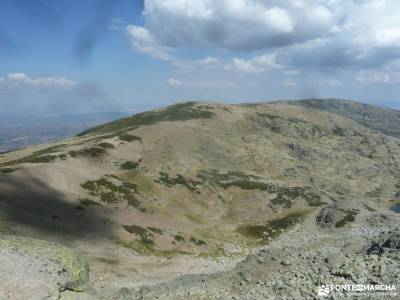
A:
(295, 266)
(36, 269)
(71, 295)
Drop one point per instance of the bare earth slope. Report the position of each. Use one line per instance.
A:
(195, 187)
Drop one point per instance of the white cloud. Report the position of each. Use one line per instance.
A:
(207, 63)
(289, 83)
(174, 82)
(144, 42)
(386, 77)
(15, 80)
(244, 65)
(255, 64)
(388, 37)
(17, 76)
(373, 23)
(252, 36)
(236, 24)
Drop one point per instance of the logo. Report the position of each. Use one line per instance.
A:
(324, 290)
(383, 289)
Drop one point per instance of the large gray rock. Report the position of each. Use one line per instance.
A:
(70, 295)
(36, 269)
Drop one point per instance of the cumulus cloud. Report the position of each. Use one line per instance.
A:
(236, 24)
(367, 77)
(143, 41)
(174, 82)
(388, 37)
(255, 64)
(367, 37)
(229, 25)
(253, 36)
(15, 80)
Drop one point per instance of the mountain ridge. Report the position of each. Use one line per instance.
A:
(195, 187)
(365, 114)
(327, 104)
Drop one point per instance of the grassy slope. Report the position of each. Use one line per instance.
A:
(178, 112)
(294, 139)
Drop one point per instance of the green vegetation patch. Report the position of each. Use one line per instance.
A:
(41, 156)
(42, 159)
(290, 120)
(273, 228)
(49, 150)
(88, 152)
(349, 217)
(88, 202)
(198, 242)
(179, 238)
(136, 229)
(231, 178)
(7, 170)
(209, 107)
(143, 247)
(126, 137)
(285, 195)
(179, 179)
(111, 135)
(109, 192)
(146, 234)
(129, 165)
(106, 145)
(178, 112)
(338, 131)
(33, 159)
(155, 230)
(314, 200)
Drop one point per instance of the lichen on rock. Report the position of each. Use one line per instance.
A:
(43, 267)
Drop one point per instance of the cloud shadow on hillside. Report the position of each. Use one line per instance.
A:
(32, 203)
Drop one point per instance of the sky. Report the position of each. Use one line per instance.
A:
(85, 55)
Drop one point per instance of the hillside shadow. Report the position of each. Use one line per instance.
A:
(33, 204)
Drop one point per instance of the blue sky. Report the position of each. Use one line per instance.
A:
(99, 54)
